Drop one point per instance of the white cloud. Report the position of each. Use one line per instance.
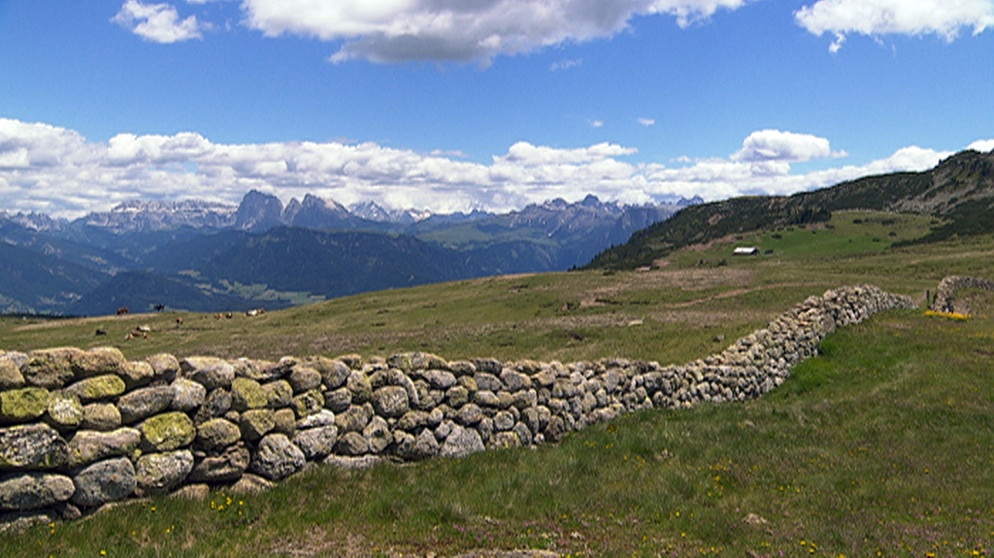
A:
(945, 18)
(646, 122)
(404, 30)
(564, 65)
(57, 171)
(596, 123)
(159, 23)
(984, 146)
(776, 145)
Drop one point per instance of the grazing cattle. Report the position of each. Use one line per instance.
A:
(179, 321)
(217, 316)
(228, 315)
(101, 332)
(140, 331)
(122, 310)
(159, 307)
(255, 312)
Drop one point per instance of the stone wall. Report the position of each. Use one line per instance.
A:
(945, 293)
(83, 428)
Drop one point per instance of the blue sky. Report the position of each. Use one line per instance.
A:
(453, 105)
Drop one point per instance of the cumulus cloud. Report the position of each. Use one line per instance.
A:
(404, 30)
(159, 23)
(984, 146)
(777, 145)
(945, 18)
(56, 170)
(646, 122)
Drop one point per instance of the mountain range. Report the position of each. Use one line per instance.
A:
(206, 256)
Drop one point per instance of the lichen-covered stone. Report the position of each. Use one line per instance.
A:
(277, 457)
(279, 394)
(359, 386)
(158, 473)
(28, 491)
(248, 394)
(352, 444)
(31, 447)
(212, 372)
(391, 401)
(105, 481)
(144, 402)
(101, 416)
(308, 403)
(65, 411)
(97, 388)
(187, 395)
(167, 431)
(217, 434)
(285, 421)
(50, 368)
(89, 446)
(461, 442)
(22, 405)
(256, 423)
(354, 419)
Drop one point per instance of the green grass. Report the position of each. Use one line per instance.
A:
(884, 445)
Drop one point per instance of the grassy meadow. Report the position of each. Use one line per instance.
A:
(881, 446)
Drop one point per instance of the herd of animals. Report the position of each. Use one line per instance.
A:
(143, 331)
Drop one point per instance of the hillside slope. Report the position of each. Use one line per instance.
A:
(959, 192)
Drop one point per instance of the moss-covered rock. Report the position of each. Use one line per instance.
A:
(248, 394)
(97, 388)
(22, 405)
(167, 432)
(217, 434)
(279, 394)
(256, 423)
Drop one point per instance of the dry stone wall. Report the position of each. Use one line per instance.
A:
(945, 293)
(82, 428)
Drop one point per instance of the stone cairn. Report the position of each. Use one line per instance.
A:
(83, 428)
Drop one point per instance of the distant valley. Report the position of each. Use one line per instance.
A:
(203, 256)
